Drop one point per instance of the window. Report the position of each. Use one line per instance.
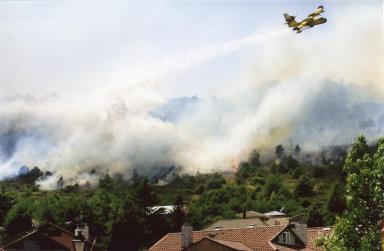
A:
(285, 237)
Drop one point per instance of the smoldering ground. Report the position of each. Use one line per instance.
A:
(290, 92)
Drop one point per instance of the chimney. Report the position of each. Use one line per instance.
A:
(35, 223)
(300, 229)
(82, 230)
(186, 235)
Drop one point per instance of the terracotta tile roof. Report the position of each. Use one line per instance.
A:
(258, 238)
(253, 238)
(313, 234)
(235, 245)
(237, 223)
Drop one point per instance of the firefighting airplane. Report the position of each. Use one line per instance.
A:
(313, 19)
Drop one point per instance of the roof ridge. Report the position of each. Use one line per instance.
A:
(242, 228)
(256, 227)
(57, 226)
(165, 236)
(19, 237)
(317, 228)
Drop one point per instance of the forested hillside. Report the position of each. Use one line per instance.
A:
(118, 211)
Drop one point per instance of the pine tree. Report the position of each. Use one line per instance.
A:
(279, 151)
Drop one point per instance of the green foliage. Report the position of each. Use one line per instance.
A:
(5, 204)
(292, 163)
(359, 227)
(119, 214)
(217, 181)
(245, 171)
(318, 172)
(254, 158)
(19, 218)
(258, 181)
(298, 172)
(305, 187)
(31, 176)
(279, 151)
(316, 216)
(336, 200)
(274, 184)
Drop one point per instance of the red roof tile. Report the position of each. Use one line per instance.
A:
(258, 238)
(313, 234)
(253, 238)
(232, 244)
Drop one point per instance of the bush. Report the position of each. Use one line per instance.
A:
(258, 181)
(298, 172)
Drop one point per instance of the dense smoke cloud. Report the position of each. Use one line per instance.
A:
(286, 96)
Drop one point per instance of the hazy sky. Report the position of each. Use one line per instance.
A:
(73, 48)
(114, 62)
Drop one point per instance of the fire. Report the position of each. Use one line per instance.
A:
(237, 160)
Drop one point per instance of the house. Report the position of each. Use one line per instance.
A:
(264, 238)
(236, 223)
(49, 237)
(252, 219)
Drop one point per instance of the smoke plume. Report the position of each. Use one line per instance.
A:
(319, 88)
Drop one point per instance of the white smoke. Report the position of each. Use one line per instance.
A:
(112, 130)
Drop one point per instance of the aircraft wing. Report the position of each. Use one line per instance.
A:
(316, 21)
(317, 12)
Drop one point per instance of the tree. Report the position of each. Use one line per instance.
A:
(304, 188)
(19, 218)
(297, 149)
(298, 172)
(127, 233)
(316, 216)
(216, 182)
(245, 171)
(30, 176)
(279, 151)
(336, 201)
(5, 204)
(178, 212)
(273, 184)
(143, 195)
(359, 227)
(292, 163)
(254, 158)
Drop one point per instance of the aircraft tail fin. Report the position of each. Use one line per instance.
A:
(290, 20)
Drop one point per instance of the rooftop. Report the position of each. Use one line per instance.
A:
(258, 238)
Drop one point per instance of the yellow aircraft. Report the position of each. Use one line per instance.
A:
(313, 19)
